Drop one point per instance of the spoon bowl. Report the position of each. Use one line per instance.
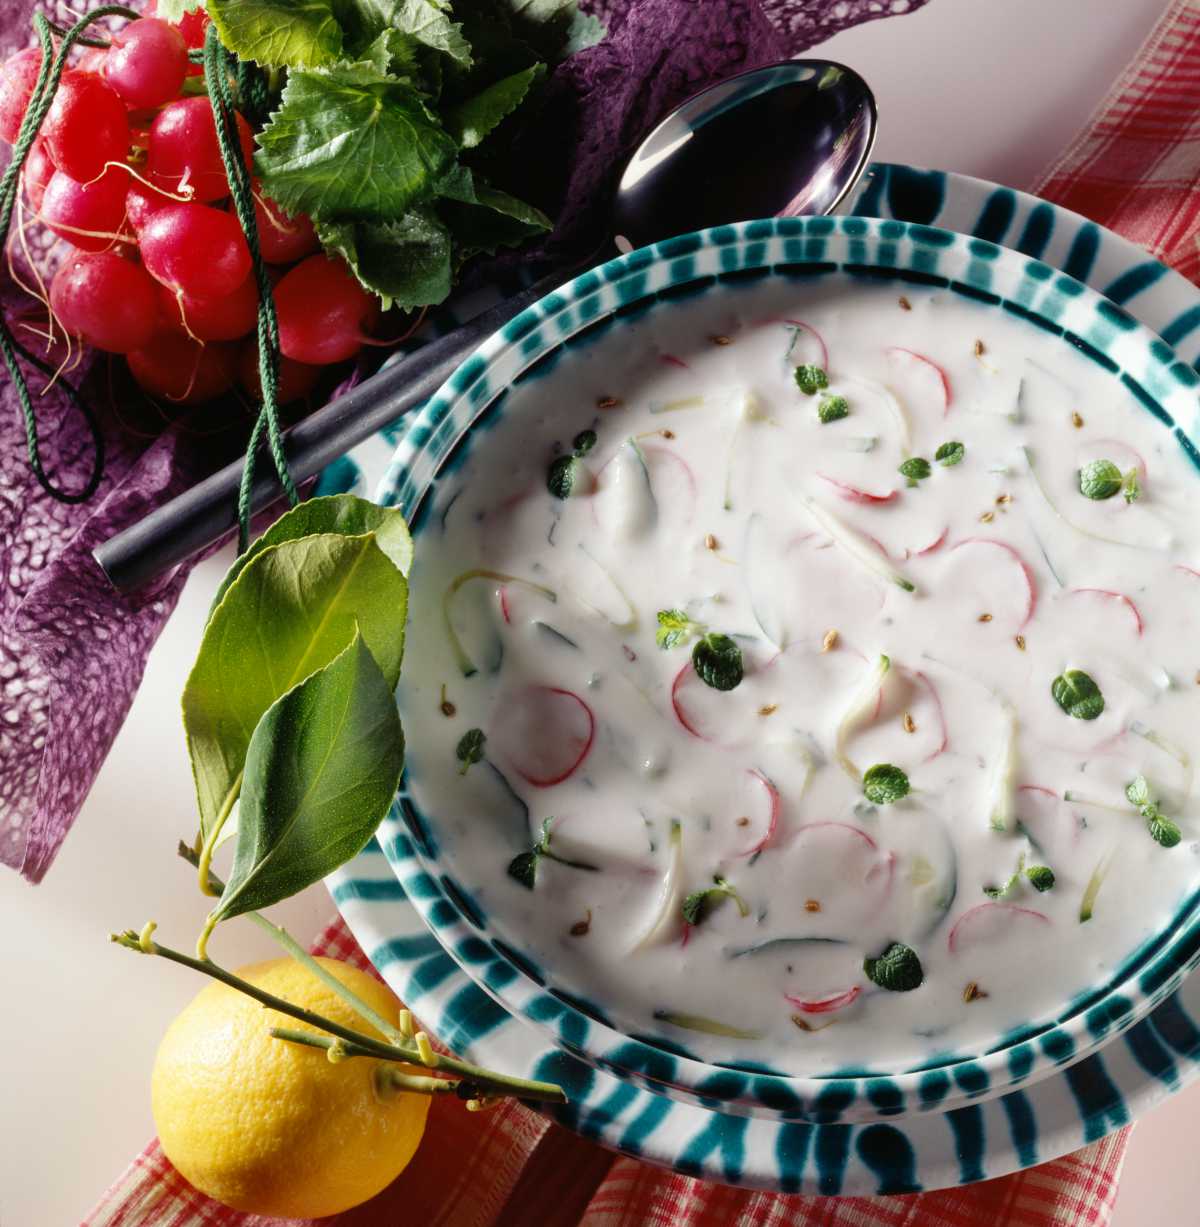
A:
(787, 138)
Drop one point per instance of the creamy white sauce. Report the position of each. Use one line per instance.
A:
(732, 508)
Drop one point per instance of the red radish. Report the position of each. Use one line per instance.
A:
(504, 610)
(827, 1004)
(37, 172)
(324, 313)
(142, 201)
(1030, 581)
(212, 319)
(667, 467)
(987, 919)
(179, 370)
(91, 59)
(844, 826)
(18, 76)
(1116, 596)
(671, 360)
(1039, 788)
(87, 215)
(183, 152)
(196, 249)
(193, 26)
(774, 806)
(86, 127)
(146, 63)
(941, 715)
(1187, 570)
(106, 300)
(296, 380)
(928, 379)
(853, 494)
(282, 239)
(545, 732)
(936, 545)
(680, 713)
(816, 336)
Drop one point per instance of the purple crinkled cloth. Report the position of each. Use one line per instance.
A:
(72, 651)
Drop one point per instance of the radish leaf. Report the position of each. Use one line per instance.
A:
(279, 33)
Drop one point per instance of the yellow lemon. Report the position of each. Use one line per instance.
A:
(275, 1128)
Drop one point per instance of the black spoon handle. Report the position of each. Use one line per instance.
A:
(202, 515)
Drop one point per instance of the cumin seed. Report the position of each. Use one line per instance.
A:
(979, 350)
(987, 517)
(985, 617)
(768, 709)
(448, 708)
(719, 340)
(581, 928)
(905, 305)
(607, 402)
(812, 905)
(1077, 421)
(1019, 640)
(830, 641)
(910, 725)
(710, 542)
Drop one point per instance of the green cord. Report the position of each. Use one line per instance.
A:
(50, 73)
(216, 77)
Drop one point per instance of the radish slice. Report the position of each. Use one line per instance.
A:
(864, 699)
(680, 711)
(841, 826)
(941, 715)
(985, 920)
(798, 329)
(827, 1004)
(928, 381)
(936, 545)
(854, 544)
(671, 360)
(668, 906)
(853, 494)
(461, 658)
(774, 806)
(545, 732)
(1116, 596)
(1026, 572)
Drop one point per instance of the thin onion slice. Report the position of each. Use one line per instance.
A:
(669, 905)
(464, 662)
(860, 703)
(855, 544)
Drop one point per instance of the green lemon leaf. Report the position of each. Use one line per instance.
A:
(1099, 480)
(294, 607)
(422, 21)
(353, 143)
(322, 769)
(897, 969)
(832, 409)
(470, 749)
(1076, 693)
(811, 379)
(344, 514)
(950, 454)
(405, 262)
(884, 783)
(279, 33)
(470, 121)
(718, 661)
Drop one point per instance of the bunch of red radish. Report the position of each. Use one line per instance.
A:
(129, 173)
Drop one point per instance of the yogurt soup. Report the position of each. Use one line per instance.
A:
(808, 674)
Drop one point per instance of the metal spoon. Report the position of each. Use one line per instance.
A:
(777, 141)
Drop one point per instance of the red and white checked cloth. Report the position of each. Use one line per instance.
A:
(1136, 169)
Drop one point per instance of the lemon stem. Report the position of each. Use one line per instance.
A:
(297, 951)
(356, 1044)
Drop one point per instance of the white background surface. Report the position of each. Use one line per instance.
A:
(989, 87)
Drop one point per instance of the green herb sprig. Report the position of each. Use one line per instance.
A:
(701, 904)
(524, 866)
(1162, 830)
(675, 628)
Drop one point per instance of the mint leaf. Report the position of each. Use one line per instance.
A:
(916, 469)
(700, 904)
(279, 33)
(583, 442)
(524, 867)
(1041, 877)
(1138, 791)
(1076, 693)
(718, 661)
(470, 121)
(811, 379)
(470, 749)
(884, 783)
(564, 476)
(832, 409)
(674, 627)
(1163, 831)
(421, 20)
(1131, 487)
(897, 969)
(1099, 480)
(349, 142)
(950, 454)
(406, 262)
